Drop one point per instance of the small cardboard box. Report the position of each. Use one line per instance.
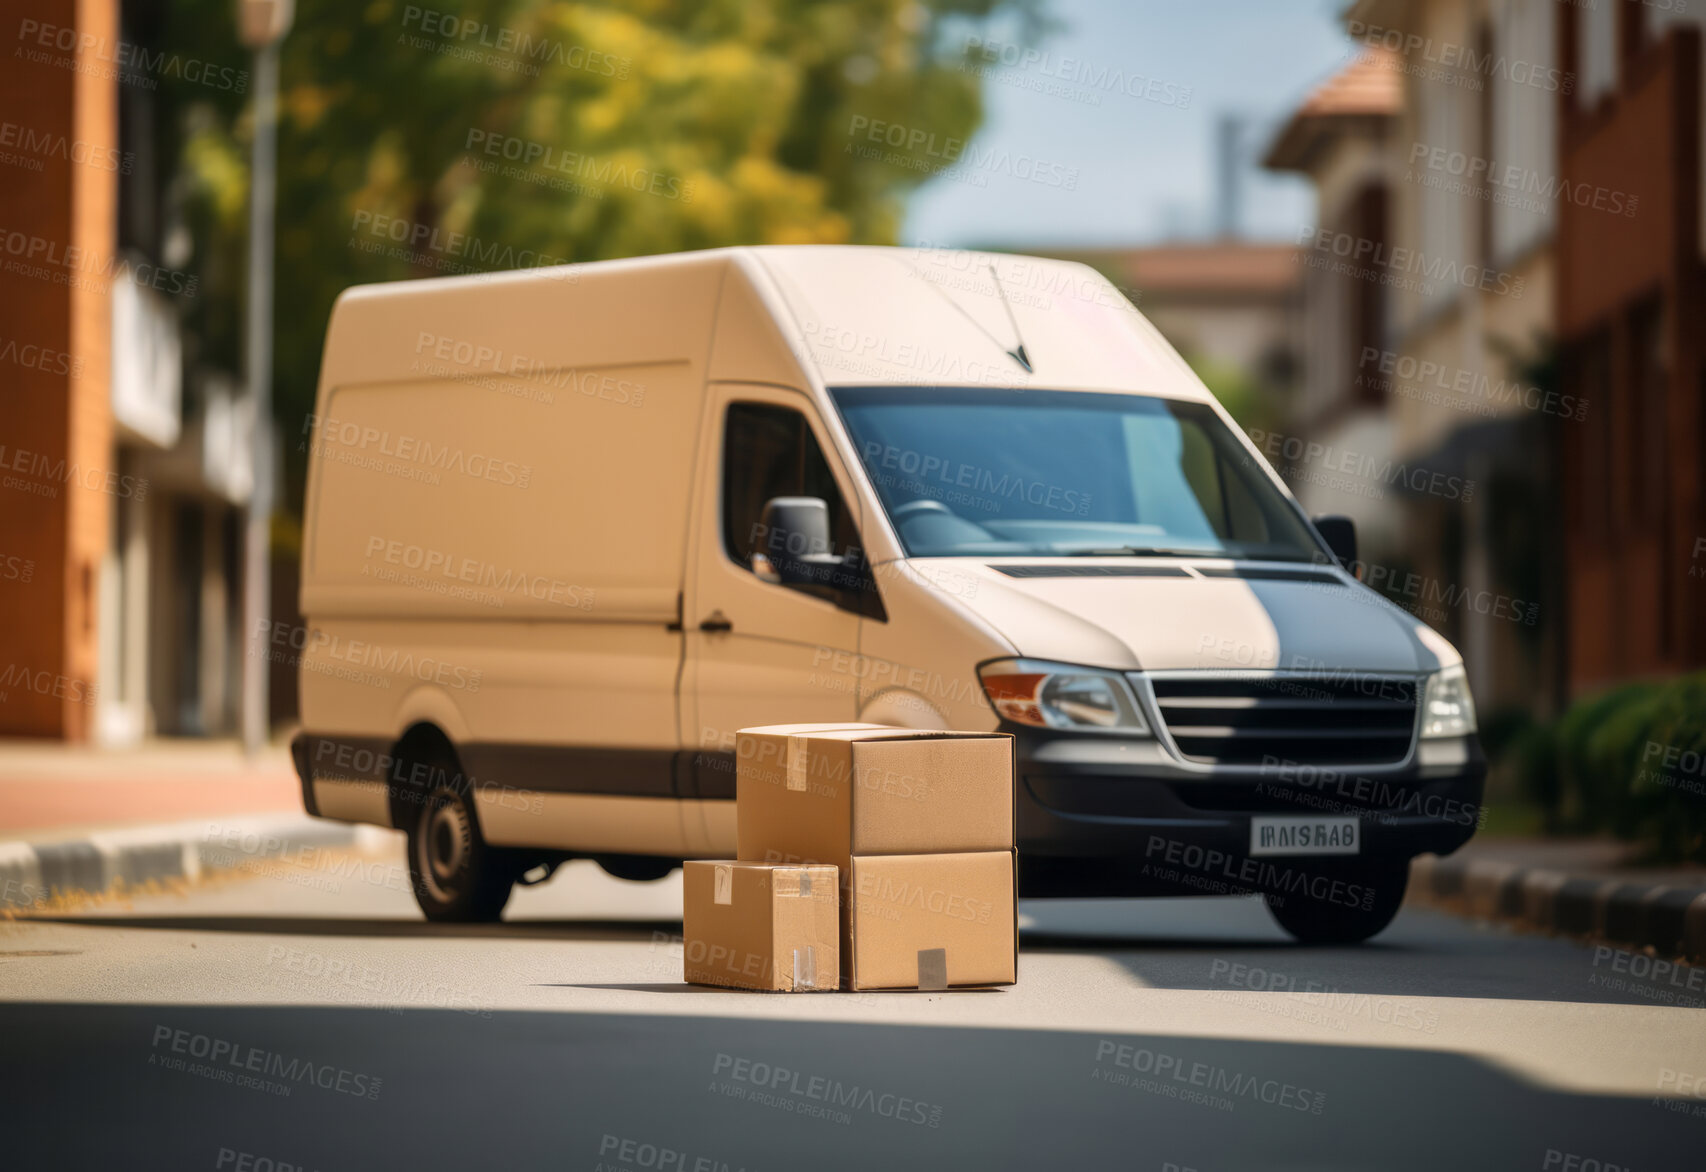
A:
(761, 926)
(932, 921)
(807, 793)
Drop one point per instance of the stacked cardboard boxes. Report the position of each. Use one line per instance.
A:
(919, 827)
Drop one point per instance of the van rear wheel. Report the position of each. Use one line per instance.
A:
(456, 876)
(1360, 903)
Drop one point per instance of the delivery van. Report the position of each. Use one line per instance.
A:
(567, 530)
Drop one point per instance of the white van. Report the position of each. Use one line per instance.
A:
(568, 529)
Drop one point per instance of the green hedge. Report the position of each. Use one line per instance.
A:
(1631, 762)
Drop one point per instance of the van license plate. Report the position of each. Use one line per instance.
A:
(1305, 836)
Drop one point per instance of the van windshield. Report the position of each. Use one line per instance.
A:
(982, 473)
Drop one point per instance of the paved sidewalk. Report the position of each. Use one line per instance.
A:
(49, 789)
(1586, 888)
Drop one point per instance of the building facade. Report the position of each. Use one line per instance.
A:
(125, 464)
(1632, 327)
(1454, 374)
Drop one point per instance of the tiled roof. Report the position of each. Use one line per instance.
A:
(1369, 87)
(1212, 267)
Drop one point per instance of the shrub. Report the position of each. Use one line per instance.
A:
(1631, 762)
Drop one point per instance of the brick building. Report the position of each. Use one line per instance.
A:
(1631, 310)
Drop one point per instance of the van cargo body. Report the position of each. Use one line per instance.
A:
(567, 530)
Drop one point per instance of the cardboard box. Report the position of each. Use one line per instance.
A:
(932, 921)
(760, 926)
(806, 793)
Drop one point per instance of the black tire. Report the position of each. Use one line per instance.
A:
(456, 876)
(1349, 920)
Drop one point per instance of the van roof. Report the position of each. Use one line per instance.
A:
(843, 315)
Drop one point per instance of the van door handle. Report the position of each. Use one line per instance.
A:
(717, 622)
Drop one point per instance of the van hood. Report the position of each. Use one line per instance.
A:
(1162, 615)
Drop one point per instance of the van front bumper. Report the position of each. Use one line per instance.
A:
(1106, 816)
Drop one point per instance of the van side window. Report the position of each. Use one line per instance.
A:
(769, 451)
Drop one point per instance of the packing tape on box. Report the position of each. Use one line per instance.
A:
(805, 884)
(805, 968)
(797, 763)
(932, 968)
(723, 884)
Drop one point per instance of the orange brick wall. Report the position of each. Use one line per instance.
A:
(55, 413)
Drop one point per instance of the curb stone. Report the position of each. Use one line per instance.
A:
(1633, 913)
(31, 872)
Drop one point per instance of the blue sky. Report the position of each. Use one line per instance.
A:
(1141, 167)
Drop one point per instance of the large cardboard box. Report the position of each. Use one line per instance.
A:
(931, 921)
(759, 926)
(807, 793)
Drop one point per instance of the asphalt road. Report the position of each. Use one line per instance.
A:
(308, 1017)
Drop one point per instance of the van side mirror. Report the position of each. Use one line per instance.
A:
(793, 545)
(1340, 534)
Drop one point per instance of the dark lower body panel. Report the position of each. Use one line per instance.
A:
(1111, 817)
(1094, 816)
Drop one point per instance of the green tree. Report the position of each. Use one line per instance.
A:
(497, 133)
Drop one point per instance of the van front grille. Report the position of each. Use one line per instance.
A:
(1295, 720)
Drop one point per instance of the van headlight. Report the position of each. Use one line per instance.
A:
(1055, 695)
(1448, 710)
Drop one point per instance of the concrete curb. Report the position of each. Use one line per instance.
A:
(1633, 913)
(31, 872)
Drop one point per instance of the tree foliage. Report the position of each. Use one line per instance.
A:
(417, 141)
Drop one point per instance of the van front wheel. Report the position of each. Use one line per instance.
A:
(1353, 905)
(457, 878)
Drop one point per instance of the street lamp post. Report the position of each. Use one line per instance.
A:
(262, 25)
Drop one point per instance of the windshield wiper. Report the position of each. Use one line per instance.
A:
(1142, 551)
(1161, 551)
